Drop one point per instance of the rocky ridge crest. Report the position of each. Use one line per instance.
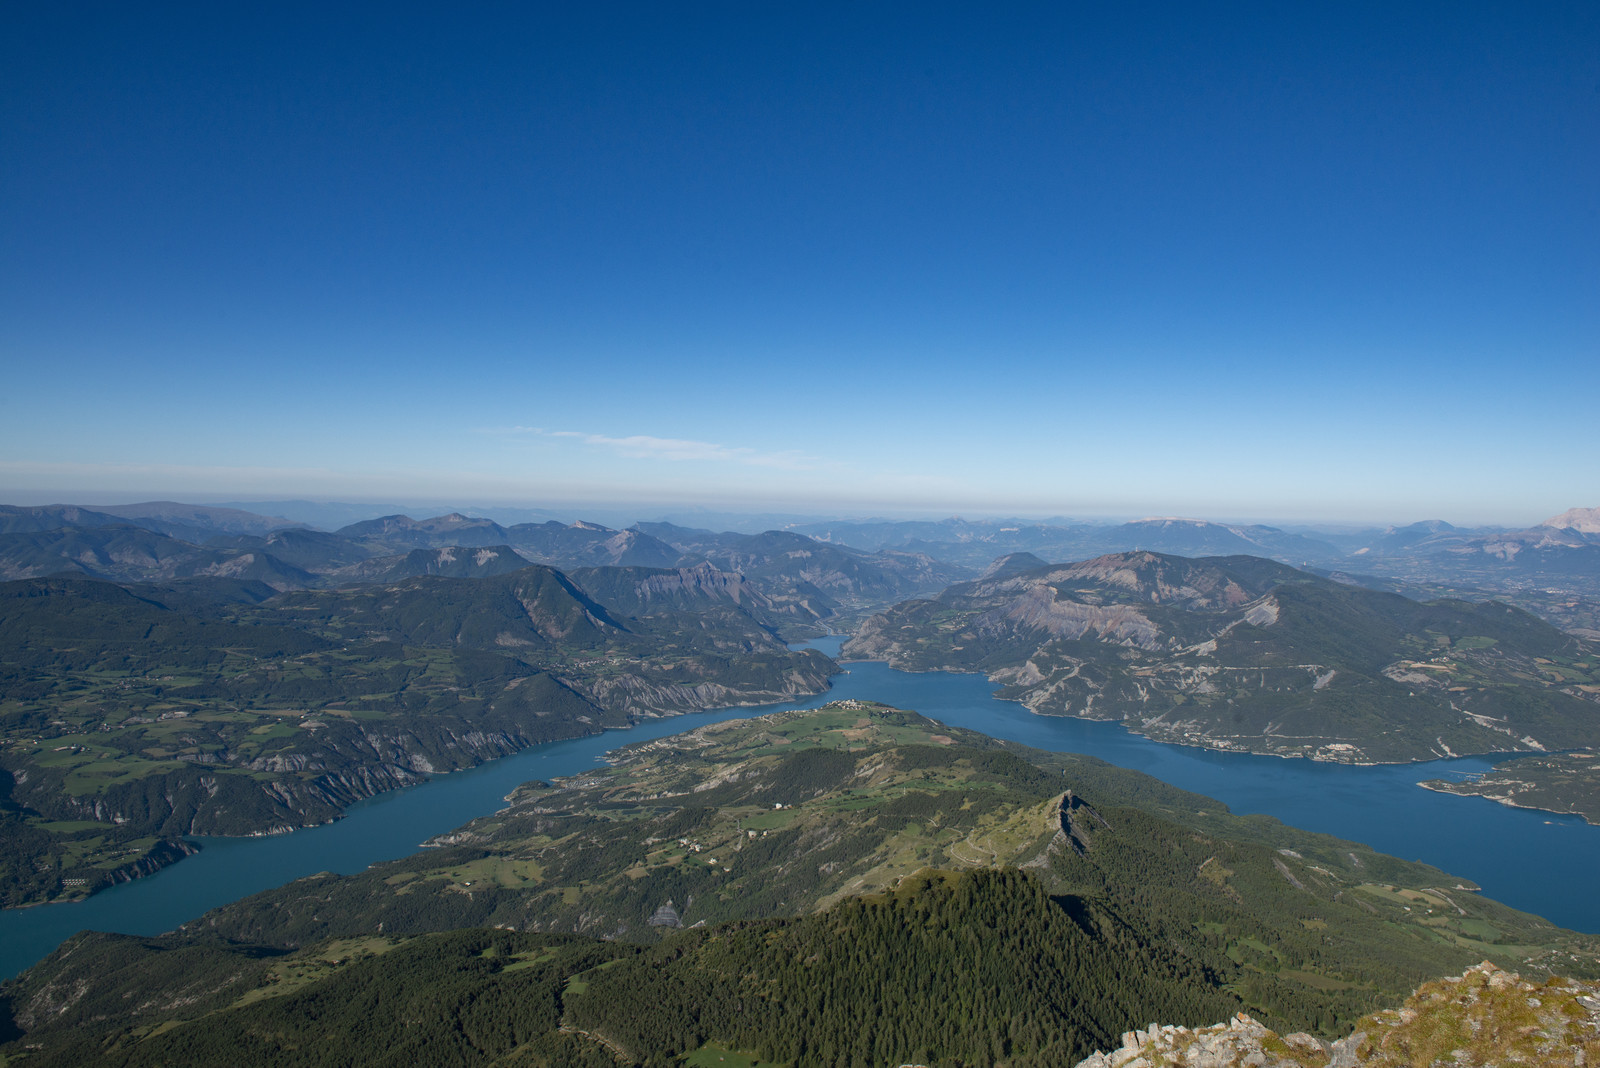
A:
(1485, 1017)
(1583, 520)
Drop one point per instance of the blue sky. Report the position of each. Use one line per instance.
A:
(1273, 261)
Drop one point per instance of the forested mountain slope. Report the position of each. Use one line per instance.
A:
(133, 716)
(1245, 653)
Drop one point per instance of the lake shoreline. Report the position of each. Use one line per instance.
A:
(1532, 864)
(1211, 745)
(190, 845)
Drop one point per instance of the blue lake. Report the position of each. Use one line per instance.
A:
(1545, 864)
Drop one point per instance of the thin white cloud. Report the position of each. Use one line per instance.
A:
(646, 447)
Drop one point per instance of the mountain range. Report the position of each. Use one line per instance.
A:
(1552, 568)
(413, 645)
(808, 580)
(132, 715)
(1245, 653)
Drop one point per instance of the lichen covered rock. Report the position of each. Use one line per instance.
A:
(1486, 1018)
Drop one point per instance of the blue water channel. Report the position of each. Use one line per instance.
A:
(1541, 863)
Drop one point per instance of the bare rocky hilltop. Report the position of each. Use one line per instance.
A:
(1486, 1017)
(1583, 520)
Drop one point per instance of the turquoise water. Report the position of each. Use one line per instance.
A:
(1549, 865)
(1536, 861)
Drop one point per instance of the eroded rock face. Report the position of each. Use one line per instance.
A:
(1484, 1018)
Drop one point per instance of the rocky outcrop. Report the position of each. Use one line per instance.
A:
(1240, 1043)
(1042, 608)
(666, 916)
(1583, 520)
(1012, 564)
(1077, 821)
(702, 579)
(1486, 1017)
(1074, 820)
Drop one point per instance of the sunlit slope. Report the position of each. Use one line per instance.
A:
(1244, 653)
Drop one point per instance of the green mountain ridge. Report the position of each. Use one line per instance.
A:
(1246, 654)
(128, 721)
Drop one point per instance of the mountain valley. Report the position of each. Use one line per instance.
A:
(132, 718)
(770, 886)
(854, 884)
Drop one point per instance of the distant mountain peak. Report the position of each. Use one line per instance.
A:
(1431, 526)
(1174, 519)
(1583, 520)
(1011, 564)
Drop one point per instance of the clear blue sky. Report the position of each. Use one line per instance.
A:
(1273, 260)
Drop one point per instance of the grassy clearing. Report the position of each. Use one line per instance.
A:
(1427, 913)
(1403, 896)
(579, 985)
(124, 853)
(530, 960)
(1259, 946)
(1007, 836)
(268, 731)
(1316, 981)
(1480, 929)
(717, 1057)
(72, 826)
(502, 871)
(1474, 642)
(301, 970)
(771, 820)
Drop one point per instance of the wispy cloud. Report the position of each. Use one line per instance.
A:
(646, 447)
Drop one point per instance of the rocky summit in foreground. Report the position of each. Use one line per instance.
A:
(1486, 1018)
